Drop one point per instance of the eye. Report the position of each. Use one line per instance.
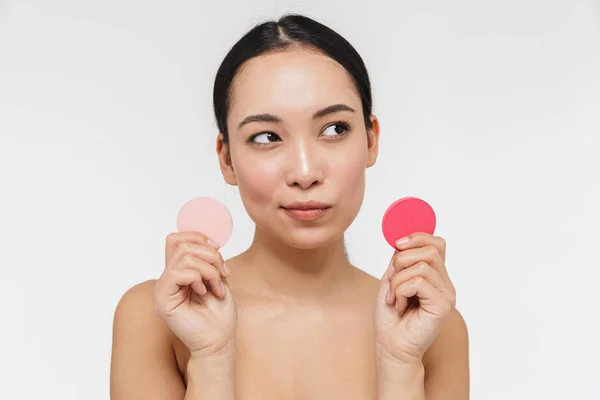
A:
(264, 138)
(336, 129)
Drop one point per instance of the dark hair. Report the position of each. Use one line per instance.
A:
(291, 30)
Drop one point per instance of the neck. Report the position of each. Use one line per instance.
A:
(297, 274)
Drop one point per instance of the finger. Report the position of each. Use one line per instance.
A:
(181, 278)
(422, 239)
(384, 285)
(175, 238)
(422, 269)
(209, 273)
(411, 288)
(429, 254)
(389, 271)
(170, 283)
(431, 300)
(410, 257)
(203, 252)
(199, 288)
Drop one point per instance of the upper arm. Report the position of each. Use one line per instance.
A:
(143, 364)
(446, 362)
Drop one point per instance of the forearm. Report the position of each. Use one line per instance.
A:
(211, 378)
(401, 382)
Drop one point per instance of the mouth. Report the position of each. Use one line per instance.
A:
(306, 211)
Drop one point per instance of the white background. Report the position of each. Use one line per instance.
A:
(490, 111)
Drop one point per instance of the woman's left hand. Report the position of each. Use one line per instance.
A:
(415, 297)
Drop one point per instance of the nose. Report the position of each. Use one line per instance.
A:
(305, 166)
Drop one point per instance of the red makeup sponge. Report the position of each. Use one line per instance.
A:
(405, 216)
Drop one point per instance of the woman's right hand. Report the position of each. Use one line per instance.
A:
(192, 298)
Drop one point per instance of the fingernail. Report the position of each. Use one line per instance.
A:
(226, 269)
(402, 242)
(211, 243)
(223, 288)
(391, 273)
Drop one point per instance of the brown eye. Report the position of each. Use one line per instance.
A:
(336, 129)
(264, 138)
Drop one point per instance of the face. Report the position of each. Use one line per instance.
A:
(297, 134)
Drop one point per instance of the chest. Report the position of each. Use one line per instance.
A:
(304, 354)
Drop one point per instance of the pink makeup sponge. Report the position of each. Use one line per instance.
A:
(208, 216)
(405, 216)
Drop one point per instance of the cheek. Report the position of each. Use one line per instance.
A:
(347, 170)
(348, 175)
(257, 180)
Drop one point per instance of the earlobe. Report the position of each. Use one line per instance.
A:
(224, 155)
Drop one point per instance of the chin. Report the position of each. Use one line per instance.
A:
(310, 238)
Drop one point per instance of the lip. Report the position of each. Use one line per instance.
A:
(306, 205)
(306, 210)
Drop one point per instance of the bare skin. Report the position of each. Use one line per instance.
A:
(289, 349)
(304, 325)
(295, 348)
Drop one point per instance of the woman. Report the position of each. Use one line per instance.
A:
(291, 318)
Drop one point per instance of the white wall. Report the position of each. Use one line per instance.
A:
(490, 110)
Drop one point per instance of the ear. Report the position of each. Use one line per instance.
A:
(373, 141)
(225, 163)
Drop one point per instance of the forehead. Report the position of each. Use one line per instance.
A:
(291, 81)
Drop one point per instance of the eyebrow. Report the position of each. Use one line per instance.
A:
(334, 108)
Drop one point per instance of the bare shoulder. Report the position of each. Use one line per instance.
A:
(135, 310)
(143, 364)
(138, 293)
(452, 339)
(368, 284)
(446, 361)
(371, 283)
(136, 306)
